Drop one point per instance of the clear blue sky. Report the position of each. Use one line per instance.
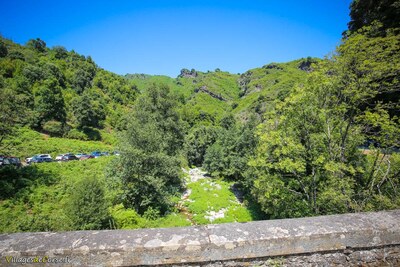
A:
(162, 37)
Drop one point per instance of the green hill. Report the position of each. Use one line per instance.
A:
(259, 87)
(212, 94)
(60, 92)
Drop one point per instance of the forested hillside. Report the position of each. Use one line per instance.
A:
(303, 138)
(59, 92)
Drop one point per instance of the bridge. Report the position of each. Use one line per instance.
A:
(359, 239)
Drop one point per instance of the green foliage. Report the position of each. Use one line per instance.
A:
(369, 66)
(87, 206)
(125, 218)
(12, 114)
(229, 154)
(261, 86)
(82, 77)
(87, 111)
(197, 141)
(77, 134)
(169, 220)
(308, 161)
(60, 52)
(49, 103)
(149, 166)
(37, 196)
(303, 159)
(365, 12)
(54, 128)
(37, 44)
(3, 49)
(53, 84)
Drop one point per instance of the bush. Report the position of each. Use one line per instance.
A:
(54, 128)
(87, 208)
(125, 218)
(76, 134)
(92, 133)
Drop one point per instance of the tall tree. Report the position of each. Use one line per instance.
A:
(49, 102)
(12, 112)
(149, 166)
(87, 112)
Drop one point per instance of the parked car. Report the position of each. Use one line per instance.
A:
(41, 158)
(28, 160)
(6, 160)
(59, 157)
(2, 160)
(85, 157)
(15, 161)
(68, 157)
(105, 154)
(96, 154)
(79, 155)
(116, 153)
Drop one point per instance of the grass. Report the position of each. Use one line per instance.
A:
(37, 203)
(215, 195)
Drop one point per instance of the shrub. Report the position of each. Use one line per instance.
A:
(54, 128)
(76, 134)
(87, 208)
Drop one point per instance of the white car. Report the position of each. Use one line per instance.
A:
(39, 158)
(59, 157)
(28, 160)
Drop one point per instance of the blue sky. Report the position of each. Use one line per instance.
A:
(162, 37)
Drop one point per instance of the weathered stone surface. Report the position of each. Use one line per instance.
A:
(372, 239)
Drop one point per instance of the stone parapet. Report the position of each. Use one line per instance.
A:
(335, 240)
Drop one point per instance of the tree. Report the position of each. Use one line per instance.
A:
(12, 113)
(87, 207)
(229, 154)
(49, 103)
(60, 52)
(37, 44)
(3, 49)
(87, 112)
(308, 147)
(198, 140)
(308, 160)
(365, 12)
(370, 66)
(149, 167)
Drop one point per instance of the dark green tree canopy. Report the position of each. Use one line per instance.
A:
(87, 111)
(49, 103)
(3, 49)
(364, 12)
(37, 44)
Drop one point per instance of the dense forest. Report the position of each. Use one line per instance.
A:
(303, 138)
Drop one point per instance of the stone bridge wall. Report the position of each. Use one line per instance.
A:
(363, 239)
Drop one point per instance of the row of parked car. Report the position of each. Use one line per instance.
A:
(40, 158)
